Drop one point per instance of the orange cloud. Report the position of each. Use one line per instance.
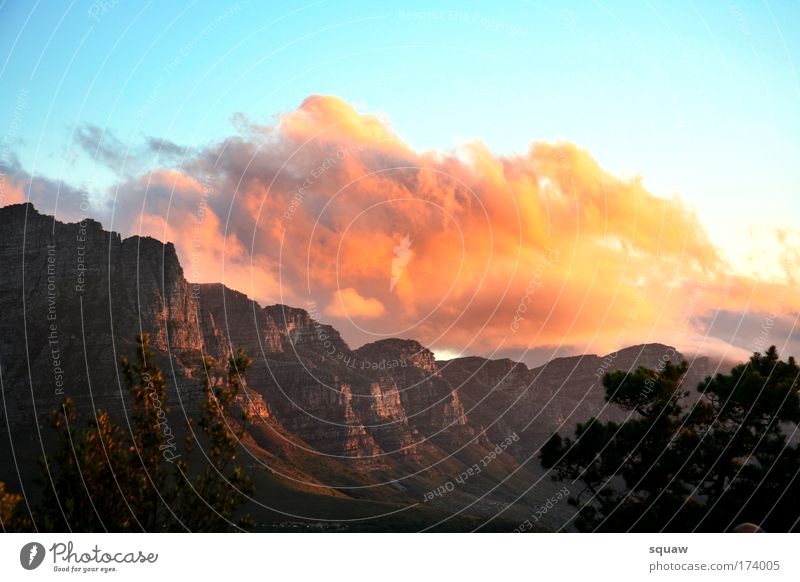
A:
(347, 303)
(507, 253)
(330, 119)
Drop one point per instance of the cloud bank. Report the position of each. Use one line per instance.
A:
(463, 249)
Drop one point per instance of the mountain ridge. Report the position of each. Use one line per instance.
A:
(347, 423)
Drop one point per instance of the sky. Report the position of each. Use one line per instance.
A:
(654, 145)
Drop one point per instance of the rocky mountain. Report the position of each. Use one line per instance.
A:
(342, 402)
(338, 428)
(507, 397)
(73, 298)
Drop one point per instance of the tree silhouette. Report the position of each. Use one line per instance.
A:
(674, 465)
(209, 502)
(107, 477)
(8, 505)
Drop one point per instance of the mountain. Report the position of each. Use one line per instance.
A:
(359, 438)
(342, 402)
(74, 297)
(507, 397)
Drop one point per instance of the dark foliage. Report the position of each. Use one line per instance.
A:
(724, 459)
(107, 477)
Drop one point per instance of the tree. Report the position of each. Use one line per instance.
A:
(106, 477)
(8, 505)
(211, 500)
(85, 482)
(673, 465)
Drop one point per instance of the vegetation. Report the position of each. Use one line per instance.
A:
(683, 461)
(107, 477)
(8, 503)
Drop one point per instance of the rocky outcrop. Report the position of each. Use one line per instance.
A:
(290, 371)
(252, 404)
(506, 397)
(299, 331)
(365, 405)
(395, 354)
(74, 297)
(237, 321)
(431, 404)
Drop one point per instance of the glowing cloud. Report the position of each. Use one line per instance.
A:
(348, 303)
(509, 253)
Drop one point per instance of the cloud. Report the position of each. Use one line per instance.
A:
(542, 250)
(347, 303)
(755, 331)
(164, 147)
(102, 145)
(126, 160)
(52, 197)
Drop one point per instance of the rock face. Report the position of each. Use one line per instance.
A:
(430, 402)
(362, 404)
(299, 331)
(74, 297)
(506, 397)
(237, 321)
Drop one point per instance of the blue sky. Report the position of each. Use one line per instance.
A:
(701, 99)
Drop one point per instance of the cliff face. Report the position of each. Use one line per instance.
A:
(364, 405)
(299, 332)
(507, 397)
(236, 321)
(74, 297)
(431, 404)
(290, 372)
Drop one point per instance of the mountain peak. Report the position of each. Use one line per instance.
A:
(404, 350)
